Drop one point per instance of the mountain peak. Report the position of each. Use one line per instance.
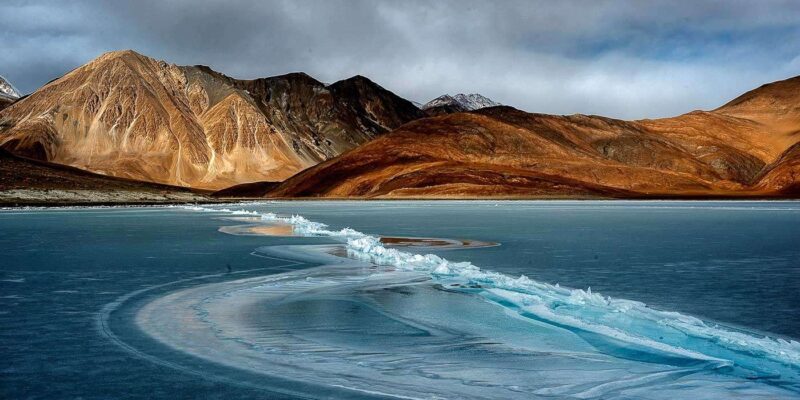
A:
(8, 90)
(776, 104)
(358, 78)
(467, 102)
(296, 77)
(784, 93)
(124, 54)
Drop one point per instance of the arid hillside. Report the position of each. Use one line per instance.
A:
(127, 115)
(32, 182)
(5, 102)
(744, 148)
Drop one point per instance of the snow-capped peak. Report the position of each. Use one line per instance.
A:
(474, 101)
(469, 102)
(7, 90)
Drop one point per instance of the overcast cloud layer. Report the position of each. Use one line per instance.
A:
(621, 59)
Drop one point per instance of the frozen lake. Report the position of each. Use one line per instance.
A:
(225, 304)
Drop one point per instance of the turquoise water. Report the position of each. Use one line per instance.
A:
(152, 302)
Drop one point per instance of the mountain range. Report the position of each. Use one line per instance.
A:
(747, 147)
(129, 116)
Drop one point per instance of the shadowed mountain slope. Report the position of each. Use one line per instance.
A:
(5, 102)
(25, 181)
(783, 176)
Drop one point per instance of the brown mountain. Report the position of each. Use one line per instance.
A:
(744, 148)
(5, 102)
(127, 115)
(783, 175)
(32, 182)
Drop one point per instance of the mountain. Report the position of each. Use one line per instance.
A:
(8, 90)
(747, 147)
(447, 104)
(246, 190)
(783, 175)
(128, 115)
(31, 182)
(8, 93)
(5, 102)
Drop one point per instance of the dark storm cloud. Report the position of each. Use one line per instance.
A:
(625, 59)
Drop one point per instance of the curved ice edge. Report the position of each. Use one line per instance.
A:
(625, 320)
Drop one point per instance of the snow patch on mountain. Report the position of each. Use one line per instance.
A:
(7, 90)
(469, 102)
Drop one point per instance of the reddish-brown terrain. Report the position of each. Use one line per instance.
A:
(747, 147)
(127, 115)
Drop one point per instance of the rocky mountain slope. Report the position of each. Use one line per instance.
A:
(5, 102)
(783, 175)
(8, 93)
(447, 104)
(128, 115)
(747, 147)
(31, 182)
(8, 90)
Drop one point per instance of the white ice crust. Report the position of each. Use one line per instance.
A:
(623, 320)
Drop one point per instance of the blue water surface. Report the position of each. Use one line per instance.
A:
(72, 280)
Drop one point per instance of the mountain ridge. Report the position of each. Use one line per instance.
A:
(504, 152)
(127, 115)
(130, 116)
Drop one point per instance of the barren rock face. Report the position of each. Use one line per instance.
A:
(742, 148)
(783, 176)
(131, 116)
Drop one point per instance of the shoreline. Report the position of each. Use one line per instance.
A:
(109, 204)
(243, 201)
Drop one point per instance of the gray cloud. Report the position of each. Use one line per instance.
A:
(627, 59)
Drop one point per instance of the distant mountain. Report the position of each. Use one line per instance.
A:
(128, 115)
(8, 93)
(447, 104)
(748, 147)
(8, 90)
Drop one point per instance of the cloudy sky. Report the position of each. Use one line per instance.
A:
(622, 59)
